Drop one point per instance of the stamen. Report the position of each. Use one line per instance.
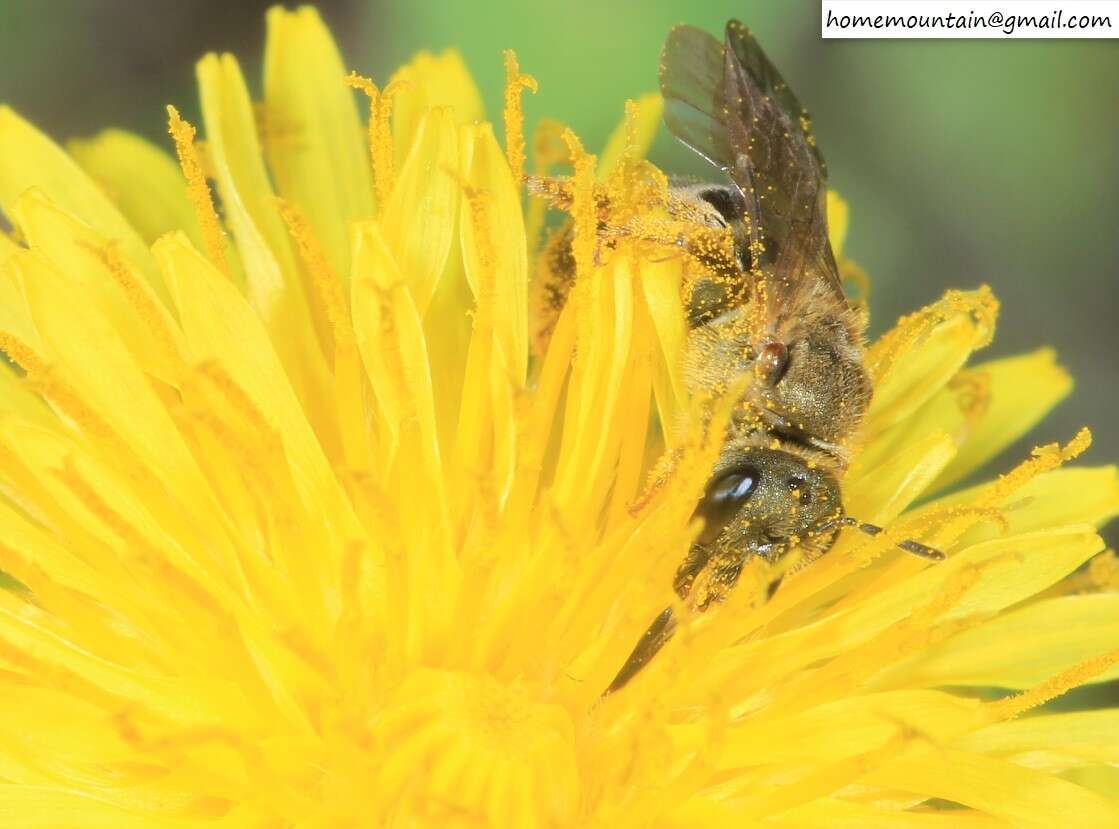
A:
(980, 305)
(236, 396)
(20, 353)
(583, 208)
(1045, 458)
(60, 677)
(142, 551)
(548, 149)
(483, 241)
(515, 82)
(380, 131)
(632, 148)
(197, 189)
(325, 281)
(141, 301)
(1055, 686)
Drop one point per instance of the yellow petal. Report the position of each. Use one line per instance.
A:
(7, 248)
(20, 400)
(834, 731)
(45, 807)
(1016, 393)
(103, 283)
(312, 133)
(913, 362)
(419, 220)
(273, 280)
(15, 316)
(448, 325)
(1056, 498)
(110, 381)
(390, 338)
(1020, 796)
(143, 181)
(493, 239)
(432, 81)
(219, 326)
(1052, 741)
(984, 578)
(837, 221)
(984, 409)
(879, 486)
(590, 438)
(831, 813)
(1024, 647)
(30, 159)
(1010, 569)
(660, 284)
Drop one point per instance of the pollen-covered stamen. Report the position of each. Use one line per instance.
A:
(584, 207)
(948, 524)
(474, 442)
(380, 131)
(46, 380)
(980, 305)
(1053, 687)
(349, 380)
(327, 285)
(548, 149)
(138, 549)
(197, 189)
(20, 353)
(515, 84)
(142, 301)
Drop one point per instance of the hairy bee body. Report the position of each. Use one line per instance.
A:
(765, 306)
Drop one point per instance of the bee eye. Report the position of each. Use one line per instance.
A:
(725, 495)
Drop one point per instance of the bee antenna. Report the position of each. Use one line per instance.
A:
(909, 545)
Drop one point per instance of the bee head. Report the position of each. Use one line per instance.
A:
(760, 500)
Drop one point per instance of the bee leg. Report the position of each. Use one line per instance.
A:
(659, 632)
(723, 576)
(697, 559)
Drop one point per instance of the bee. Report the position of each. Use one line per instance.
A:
(771, 310)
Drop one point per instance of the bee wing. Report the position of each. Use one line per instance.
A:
(691, 76)
(728, 103)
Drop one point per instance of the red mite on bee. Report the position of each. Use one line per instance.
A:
(767, 306)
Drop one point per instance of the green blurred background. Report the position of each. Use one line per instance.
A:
(963, 161)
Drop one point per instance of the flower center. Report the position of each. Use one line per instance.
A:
(457, 745)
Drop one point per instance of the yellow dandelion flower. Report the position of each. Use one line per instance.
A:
(298, 534)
